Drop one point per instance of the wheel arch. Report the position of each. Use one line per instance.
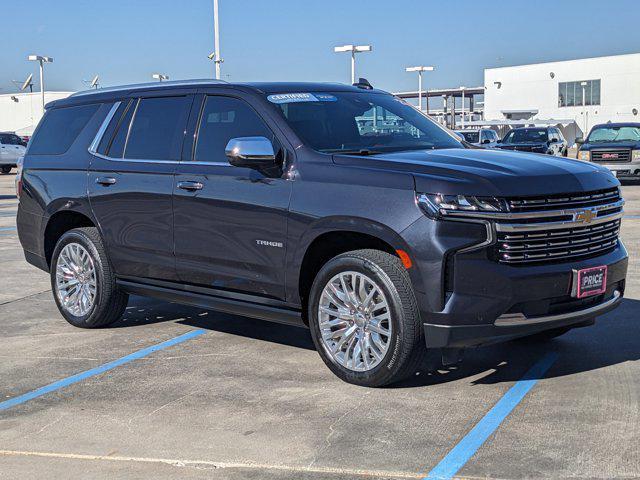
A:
(332, 237)
(58, 224)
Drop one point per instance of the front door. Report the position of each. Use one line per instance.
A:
(131, 184)
(230, 222)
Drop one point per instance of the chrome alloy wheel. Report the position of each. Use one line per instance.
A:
(76, 283)
(355, 321)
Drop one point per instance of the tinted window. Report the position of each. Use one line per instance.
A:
(224, 118)
(158, 128)
(10, 139)
(527, 135)
(471, 137)
(111, 128)
(349, 121)
(122, 130)
(59, 128)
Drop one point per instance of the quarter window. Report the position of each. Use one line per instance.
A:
(59, 129)
(224, 118)
(158, 127)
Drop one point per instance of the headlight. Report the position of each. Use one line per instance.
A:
(635, 155)
(584, 155)
(436, 204)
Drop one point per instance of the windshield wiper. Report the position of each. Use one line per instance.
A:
(361, 151)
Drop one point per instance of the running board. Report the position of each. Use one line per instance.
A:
(226, 305)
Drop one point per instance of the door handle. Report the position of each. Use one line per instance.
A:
(190, 186)
(106, 181)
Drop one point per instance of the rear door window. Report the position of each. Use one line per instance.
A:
(59, 129)
(158, 128)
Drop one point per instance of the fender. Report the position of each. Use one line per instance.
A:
(345, 224)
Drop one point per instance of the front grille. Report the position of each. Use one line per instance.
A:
(555, 245)
(611, 156)
(556, 202)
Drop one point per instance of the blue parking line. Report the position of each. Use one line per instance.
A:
(6, 229)
(631, 216)
(65, 382)
(472, 441)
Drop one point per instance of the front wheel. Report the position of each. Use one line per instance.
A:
(364, 318)
(83, 283)
(6, 170)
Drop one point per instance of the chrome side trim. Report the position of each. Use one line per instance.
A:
(517, 319)
(527, 227)
(526, 215)
(93, 148)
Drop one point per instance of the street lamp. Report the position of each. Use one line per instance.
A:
(215, 55)
(41, 60)
(353, 49)
(462, 115)
(421, 69)
(160, 77)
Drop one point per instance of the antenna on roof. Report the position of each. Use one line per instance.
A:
(363, 83)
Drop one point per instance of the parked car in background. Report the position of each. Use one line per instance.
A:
(396, 244)
(614, 145)
(548, 140)
(12, 147)
(484, 137)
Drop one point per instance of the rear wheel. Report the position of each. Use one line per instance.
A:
(5, 170)
(83, 283)
(364, 318)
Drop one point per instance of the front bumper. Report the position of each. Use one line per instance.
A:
(469, 299)
(626, 169)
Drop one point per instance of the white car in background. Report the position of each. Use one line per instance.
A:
(12, 147)
(484, 137)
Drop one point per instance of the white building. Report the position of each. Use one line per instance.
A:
(21, 112)
(586, 91)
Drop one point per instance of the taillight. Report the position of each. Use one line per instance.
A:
(19, 176)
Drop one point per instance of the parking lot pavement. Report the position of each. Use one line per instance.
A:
(240, 398)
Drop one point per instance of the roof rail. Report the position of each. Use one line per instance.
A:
(140, 86)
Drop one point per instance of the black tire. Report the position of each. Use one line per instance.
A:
(110, 302)
(545, 336)
(406, 350)
(6, 170)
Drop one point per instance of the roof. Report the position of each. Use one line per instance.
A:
(260, 87)
(617, 125)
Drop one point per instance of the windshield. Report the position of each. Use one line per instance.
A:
(471, 137)
(615, 134)
(360, 122)
(526, 135)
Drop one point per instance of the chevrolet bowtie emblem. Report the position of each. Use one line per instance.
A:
(585, 216)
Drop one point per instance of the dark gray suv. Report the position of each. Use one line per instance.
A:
(341, 208)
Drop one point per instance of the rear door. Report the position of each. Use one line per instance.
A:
(131, 182)
(230, 230)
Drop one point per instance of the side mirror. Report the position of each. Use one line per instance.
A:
(486, 140)
(553, 140)
(251, 152)
(498, 141)
(579, 140)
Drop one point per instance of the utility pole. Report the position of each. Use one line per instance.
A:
(216, 37)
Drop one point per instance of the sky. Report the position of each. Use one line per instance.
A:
(292, 40)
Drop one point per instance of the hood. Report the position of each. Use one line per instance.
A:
(499, 173)
(610, 145)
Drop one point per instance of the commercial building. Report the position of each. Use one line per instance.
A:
(21, 112)
(574, 94)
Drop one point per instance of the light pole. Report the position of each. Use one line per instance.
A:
(462, 115)
(215, 55)
(421, 69)
(160, 77)
(42, 60)
(353, 49)
(584, 108)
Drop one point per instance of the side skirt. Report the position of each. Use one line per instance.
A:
(217, 302)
